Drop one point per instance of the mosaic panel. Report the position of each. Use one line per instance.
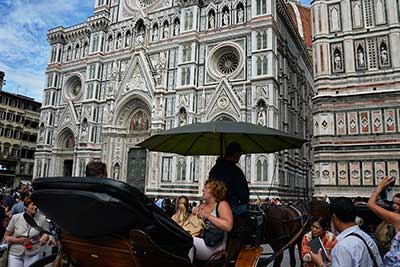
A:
(343, 176)
(355, 173)
(377, 126)
(341, 123)
(380, 171)
(352, 122)
(393, 170)
(367, 173)
(390, 121)
(364, 122)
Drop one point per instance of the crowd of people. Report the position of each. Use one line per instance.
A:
(221, 214)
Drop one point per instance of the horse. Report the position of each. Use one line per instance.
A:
(284, 224)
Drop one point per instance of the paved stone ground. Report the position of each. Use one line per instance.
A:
(286, 258)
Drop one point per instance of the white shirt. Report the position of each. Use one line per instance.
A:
(350, 251)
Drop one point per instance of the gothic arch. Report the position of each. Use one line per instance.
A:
(127, 108)
(224, 117)
(66, 139)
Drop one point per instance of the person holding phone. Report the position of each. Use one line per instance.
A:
(319, 229)
(392, 257)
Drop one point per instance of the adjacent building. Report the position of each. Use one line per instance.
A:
(19, 124)
(136, 68)
(357, 107)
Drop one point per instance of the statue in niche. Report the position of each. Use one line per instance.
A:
(337, 60)
(384, 54)
(119, 42)
(128, 40)
(84, 131)
(360, 56)
(70, 143)
(155, 34)
(41, 134)
(140, 36)
(261, 119)
(77, 52)
(116, 171)
(240, 14)
(211, 21)
(109, 44)
(166, 31)
(69, 54)
(225, 18)
(162, 65)
(177, 27)
(86, 50)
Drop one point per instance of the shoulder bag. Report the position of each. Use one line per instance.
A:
(213, 235)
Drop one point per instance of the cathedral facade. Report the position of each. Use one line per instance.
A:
(139, 67)
(357, 107)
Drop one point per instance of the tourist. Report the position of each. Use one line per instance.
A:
(319, 229)
(354, 247)
(218, 213)
(392, 257)
(24, 240)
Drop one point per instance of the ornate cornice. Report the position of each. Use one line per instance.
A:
(99, 22)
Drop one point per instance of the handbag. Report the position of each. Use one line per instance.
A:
(194, 226)
(211, 234)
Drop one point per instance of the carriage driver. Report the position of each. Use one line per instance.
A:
(226, 170)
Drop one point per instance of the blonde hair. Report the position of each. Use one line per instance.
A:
(182, 204)
(218, 189)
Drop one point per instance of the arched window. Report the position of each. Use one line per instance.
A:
(69, 54)
(85, 49)
(109, 43)
(181, 169)
(77, 52)
(262, 169)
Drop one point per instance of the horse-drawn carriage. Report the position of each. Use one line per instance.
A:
(103, 222)
(109, 223)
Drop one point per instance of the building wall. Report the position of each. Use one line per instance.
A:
(132, 71)
(19, 121)
(356, 111)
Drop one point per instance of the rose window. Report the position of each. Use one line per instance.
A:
(228, 63)
(225, 59)
(73, 87)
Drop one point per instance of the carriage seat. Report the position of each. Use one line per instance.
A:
(92, 207)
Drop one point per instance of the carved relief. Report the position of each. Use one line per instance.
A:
(355, 173)
(343, 173)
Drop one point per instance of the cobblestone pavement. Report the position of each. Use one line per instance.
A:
(286, 258)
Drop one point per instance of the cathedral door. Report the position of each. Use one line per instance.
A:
(68, 165)
(137, 168)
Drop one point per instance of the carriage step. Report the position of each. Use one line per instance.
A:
(248, 257)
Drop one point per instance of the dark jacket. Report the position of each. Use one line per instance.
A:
(228, 172)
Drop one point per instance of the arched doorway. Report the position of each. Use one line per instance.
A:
(66, 146)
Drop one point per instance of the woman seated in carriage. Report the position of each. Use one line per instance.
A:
(217, 214)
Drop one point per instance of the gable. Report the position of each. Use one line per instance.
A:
(223, 101)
